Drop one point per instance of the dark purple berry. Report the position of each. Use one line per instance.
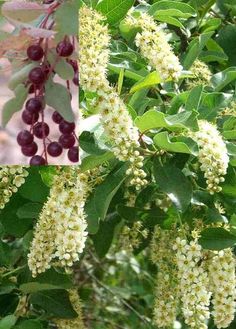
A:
(56, 117)
(66, 127)
(29, 150)
(41, 130)
(54, 149)
(73, 154)
(24, 138)
(37, 76)
(35, 52)
(64, 48)
(37, 160)
(34, 105)
(29, 118)
(67, 141)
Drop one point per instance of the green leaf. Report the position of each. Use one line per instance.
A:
(47, 174)
(5, 254)
(20, 75)
(229, 134)
(213, 56)
(212, 104)
(51, 279)
(55, 302)
(187, 145)
(222, 79)
(62, 67)
(211, 24)
(8, 217)
(149, 217)
(227, 38)
(15, 104)
(216, 239)
(29, 324)
(114, 10)
(171, 12)
(98, 204)
(8, 322)
(175, 8)
(31, 287)
(174, 183)
(66, 18)
(93, 161)
(29, 210)
(34, 183)
(194, 98)
(150, 80)
(195, 48)
(154, 119)
(8, 304)
(58, 97)
(89, 144)
(102, 240)
(169, 20)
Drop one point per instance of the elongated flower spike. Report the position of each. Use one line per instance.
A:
(223, 286)
(60, 232)
(115, 118)
(154, 46)
(212, 155)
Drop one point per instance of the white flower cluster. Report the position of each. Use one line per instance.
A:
(201, 74)
(223, 286)
(94, 42)
(212, 154)
(119, 127)
(153, 44)
(75, 323)
(61, 230)
(193, 283)
(115, 118)
(165, 304)
(166, 301)
(190, 278)
(11, 178)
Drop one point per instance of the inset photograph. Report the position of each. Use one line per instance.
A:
(39, 82)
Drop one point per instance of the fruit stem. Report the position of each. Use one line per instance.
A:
(44, 139)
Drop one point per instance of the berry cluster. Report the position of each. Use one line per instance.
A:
(34, 116)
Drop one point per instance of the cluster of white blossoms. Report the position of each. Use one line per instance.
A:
(119, 127)
(212, 154)
(75, 323)
(166, 301)
(11, 178)
(60, 232)
(94, 42)
(201, 74)
(193, 283)
(114, 115)
(223, 286)
(153, 44)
